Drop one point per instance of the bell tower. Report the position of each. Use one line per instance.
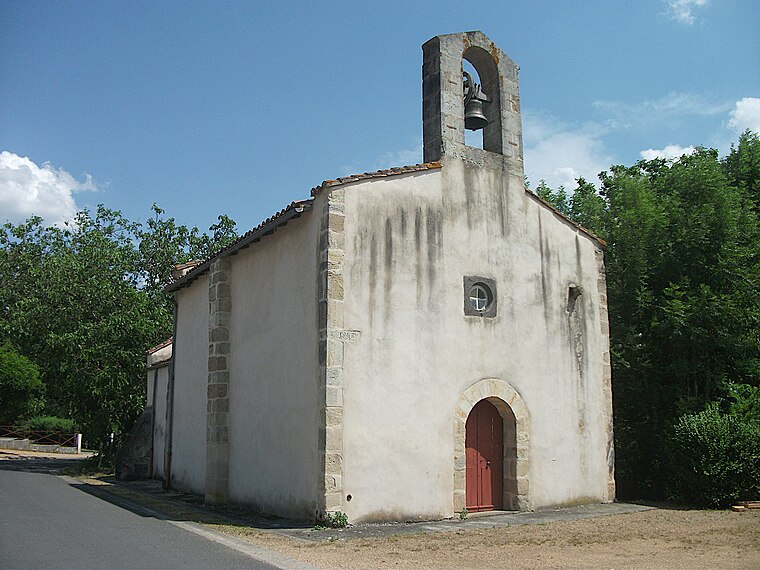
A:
(446, 87)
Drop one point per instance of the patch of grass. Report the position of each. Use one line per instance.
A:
(91, 467)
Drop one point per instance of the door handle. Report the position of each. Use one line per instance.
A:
(488, 463)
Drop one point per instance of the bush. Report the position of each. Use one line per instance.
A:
(337, 519)
(716, 458)
(50, 424)
(20, 385)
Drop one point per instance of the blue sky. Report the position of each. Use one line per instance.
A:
(241, 107)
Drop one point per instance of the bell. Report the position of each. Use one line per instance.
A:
(474, 119)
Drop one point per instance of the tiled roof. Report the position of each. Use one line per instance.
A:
(290, 207)
(158, 347)
(268, 226)
(188, 264)
(292, 210)
(376, 174)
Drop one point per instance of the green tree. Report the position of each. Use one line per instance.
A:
(85, 302)
(588, 208)
(742, 166)
(558, 199)
(683, 243)
(20, 386)
(682, 284)
(75, 308)
(164, 243)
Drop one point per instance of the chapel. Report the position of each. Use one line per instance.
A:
(402, 344)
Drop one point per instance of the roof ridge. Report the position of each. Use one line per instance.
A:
(394, 170)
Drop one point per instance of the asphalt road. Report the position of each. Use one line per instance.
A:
(47, 522)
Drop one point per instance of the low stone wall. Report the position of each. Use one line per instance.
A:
(26, 445)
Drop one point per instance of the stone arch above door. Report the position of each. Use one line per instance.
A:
(506, 399)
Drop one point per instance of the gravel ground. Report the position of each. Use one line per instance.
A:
(662, 538)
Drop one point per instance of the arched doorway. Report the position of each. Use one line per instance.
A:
(484, 450)
(515, 445)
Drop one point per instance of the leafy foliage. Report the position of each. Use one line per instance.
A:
(338, 519)
(50, 424)
(86, 301)
(716, 458)
(683, 242)
(20, 385)
(557, 198)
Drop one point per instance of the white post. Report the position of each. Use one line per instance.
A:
(79, 442)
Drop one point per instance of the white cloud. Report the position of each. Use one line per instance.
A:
(402, 157)
(654, 111)
(27, 189)
(561, 153)
(671, 151)
(746, 115)
(682, 11)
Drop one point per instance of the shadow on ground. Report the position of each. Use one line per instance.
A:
(17, 461)
(150, 499)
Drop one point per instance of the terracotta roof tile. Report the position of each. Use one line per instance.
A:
(293, 209)
(158, 347)
(258, 227)
(376, 174)
(188, 264)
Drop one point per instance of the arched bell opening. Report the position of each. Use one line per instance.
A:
(480, 61)
(473, 138)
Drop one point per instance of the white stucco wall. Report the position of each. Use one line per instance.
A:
(410, 240)
(273, 372)
(188, 470)
(160, 377)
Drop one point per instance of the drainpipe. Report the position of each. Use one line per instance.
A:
(170, 402)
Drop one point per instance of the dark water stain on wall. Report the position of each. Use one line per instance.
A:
(469, 195)
(544, 253)
(417, 230)
(388, 273)
(502, 199)
(434, 237)
(372, 276)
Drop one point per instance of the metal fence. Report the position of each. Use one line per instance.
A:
(39, 437)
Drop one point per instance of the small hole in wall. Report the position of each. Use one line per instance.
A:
(349, 497)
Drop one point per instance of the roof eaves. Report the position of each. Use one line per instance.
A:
(268, 226)
(564, 218)
(160, 364)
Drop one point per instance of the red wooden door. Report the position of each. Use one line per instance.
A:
(484, 444)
